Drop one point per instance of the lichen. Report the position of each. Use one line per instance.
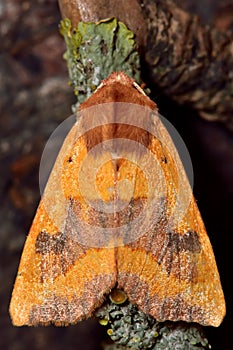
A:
(94, 50)
(130, 328)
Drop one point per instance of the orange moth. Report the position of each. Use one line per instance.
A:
(117, 212)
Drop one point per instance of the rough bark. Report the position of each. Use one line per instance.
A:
(190, 62)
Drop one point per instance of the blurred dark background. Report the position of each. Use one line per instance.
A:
(34, 99)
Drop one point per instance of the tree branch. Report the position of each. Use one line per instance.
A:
(189, 62)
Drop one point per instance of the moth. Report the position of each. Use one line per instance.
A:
(117, 212)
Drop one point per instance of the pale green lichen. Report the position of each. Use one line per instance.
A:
(94, 50)
(130, 328)
(181, 336)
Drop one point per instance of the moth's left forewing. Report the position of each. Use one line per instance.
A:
(60, 279)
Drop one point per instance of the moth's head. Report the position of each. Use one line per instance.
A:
(118, 87)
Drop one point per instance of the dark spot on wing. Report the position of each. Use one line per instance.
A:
(185, 242)
(47, 243)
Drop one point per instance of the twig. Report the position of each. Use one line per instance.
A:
(90, 53)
